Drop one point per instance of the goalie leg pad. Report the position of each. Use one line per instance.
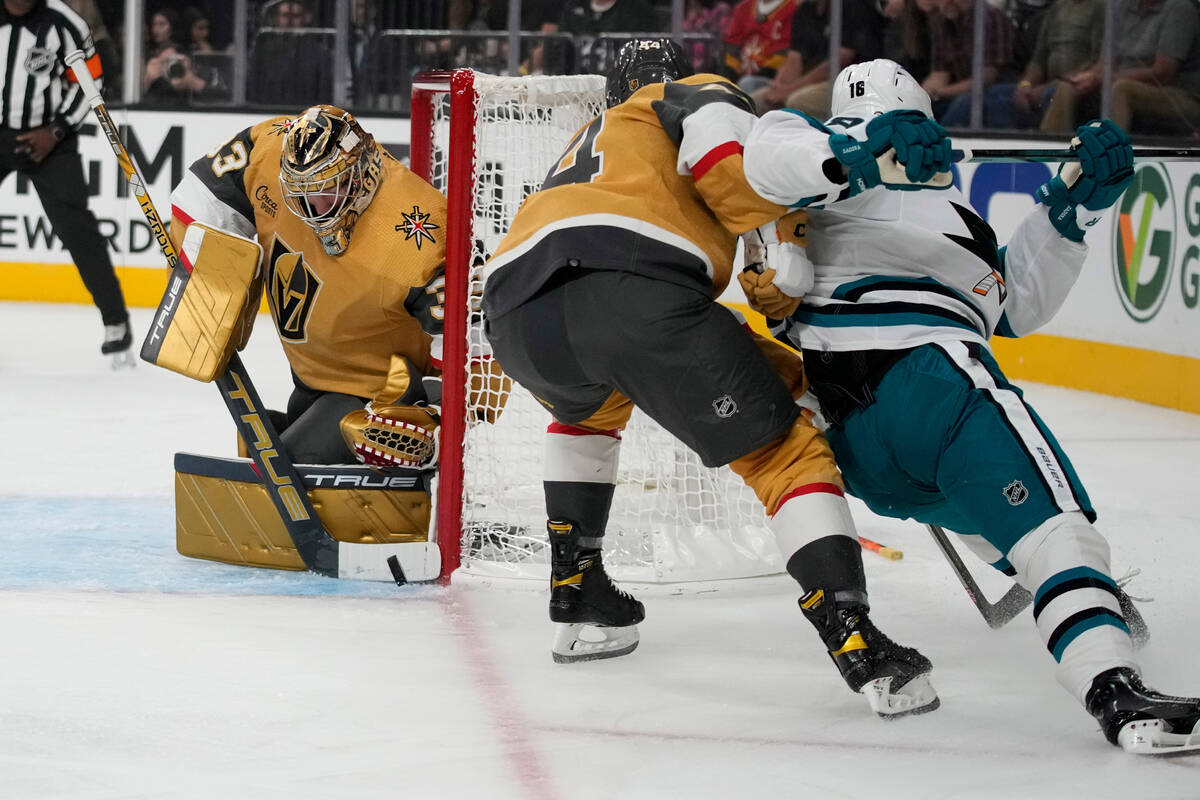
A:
(210, 304)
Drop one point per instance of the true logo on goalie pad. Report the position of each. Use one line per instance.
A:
(293, 289)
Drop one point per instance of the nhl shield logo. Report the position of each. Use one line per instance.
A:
(725, 406)
(39, 60)
(1016, 493)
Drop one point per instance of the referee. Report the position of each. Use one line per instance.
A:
(41, 107)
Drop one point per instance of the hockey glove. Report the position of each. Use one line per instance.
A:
(393, 436)
(778, 271)
(907, 137)
(1077, 197)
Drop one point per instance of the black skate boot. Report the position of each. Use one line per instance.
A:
(117, 343)
(1141, 720)
(895, 679)
(581, 593)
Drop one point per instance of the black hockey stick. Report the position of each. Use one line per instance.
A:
(997, 614)
(316, 548)
(1018, 154)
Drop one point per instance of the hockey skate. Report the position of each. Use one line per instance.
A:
(895, 679)
(118, 341)
(1141, 720)
(594, 618)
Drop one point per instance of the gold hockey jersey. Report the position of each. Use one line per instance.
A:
(340, 318)
(653, 186)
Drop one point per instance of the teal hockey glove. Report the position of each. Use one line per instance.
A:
(920, 146)
(1081, 191)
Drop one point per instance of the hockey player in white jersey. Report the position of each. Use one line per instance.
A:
(901, 291)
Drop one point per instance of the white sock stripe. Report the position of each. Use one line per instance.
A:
(1041, 454)
(1065, 605)
(583, 459)
(804, 518)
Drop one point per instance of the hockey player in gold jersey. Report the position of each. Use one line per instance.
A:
(602, 297)
(353, 254)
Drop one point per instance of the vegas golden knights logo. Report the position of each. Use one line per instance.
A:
(293, 289)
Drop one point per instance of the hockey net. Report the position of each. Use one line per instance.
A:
(487, 142)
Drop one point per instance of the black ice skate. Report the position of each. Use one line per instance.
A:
(117, 343)
(595, 618)
(895, 679)
(1141, 720)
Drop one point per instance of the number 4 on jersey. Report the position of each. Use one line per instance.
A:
(581, 162)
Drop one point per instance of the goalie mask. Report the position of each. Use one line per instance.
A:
(329, 171)
(641, 63)
(875, 87)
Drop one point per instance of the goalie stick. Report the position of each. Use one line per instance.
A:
(1042, 154)
(316, 548)
(997, 614)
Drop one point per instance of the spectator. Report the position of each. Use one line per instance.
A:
(757, 40)
(287, 14)
(1068, 40)
(197, 31)
(906, 34)
(587, 19)
(168, 78)
(803, 81)
(289, 65)
(951, 44)
(705, 17)
(363, 33)
(1157, 71)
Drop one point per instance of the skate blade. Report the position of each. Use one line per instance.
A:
(915, 697)
(1150, 737)
(124, 359)
(570, 644)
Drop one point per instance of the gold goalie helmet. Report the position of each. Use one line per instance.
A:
(329, 171)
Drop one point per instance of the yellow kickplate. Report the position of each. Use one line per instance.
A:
(235, 522)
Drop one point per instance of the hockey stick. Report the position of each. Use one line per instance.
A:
(997, 614)
(316, 548)
(1027, 154)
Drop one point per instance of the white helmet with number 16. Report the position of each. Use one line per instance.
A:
(875, 87)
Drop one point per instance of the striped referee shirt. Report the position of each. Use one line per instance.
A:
(38, 88)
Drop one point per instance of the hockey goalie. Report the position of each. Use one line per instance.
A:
(349, 247)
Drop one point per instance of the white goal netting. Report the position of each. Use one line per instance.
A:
(673, 520)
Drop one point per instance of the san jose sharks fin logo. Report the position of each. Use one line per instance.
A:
(292, 287)
(982, 244)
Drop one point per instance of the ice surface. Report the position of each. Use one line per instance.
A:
(128, 671)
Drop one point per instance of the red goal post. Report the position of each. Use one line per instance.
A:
(488, 141)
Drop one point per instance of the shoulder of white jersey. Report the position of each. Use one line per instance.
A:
(674, 102)
(222, 174)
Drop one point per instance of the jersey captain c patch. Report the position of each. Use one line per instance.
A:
(292, 287)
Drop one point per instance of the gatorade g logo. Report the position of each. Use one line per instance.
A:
(293, 289)
(1144, 242)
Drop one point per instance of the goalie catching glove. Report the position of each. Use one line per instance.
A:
(397, 428)
(778, 272)
(1083, 190)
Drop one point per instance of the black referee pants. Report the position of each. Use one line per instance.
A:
(59, 183)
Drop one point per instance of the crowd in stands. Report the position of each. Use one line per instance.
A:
(1041, 58)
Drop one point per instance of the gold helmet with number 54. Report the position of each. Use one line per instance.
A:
(329, 171)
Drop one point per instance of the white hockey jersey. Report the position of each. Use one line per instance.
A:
(896, 269)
